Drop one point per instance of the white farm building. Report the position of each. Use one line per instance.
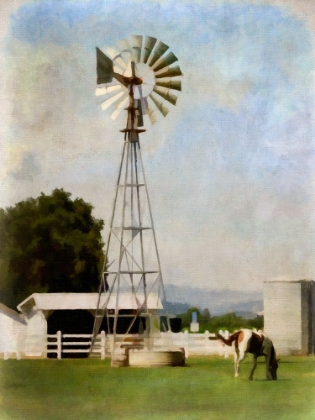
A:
(289, 315)
(71, 313)
(12, 332)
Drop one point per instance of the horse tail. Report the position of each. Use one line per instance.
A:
(228, 341)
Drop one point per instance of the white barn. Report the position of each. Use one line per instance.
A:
(71, 313)
(289, 315)
(12, 332)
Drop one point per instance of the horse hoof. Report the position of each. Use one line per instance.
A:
(250, 379)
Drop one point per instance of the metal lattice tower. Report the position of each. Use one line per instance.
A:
(132, 274)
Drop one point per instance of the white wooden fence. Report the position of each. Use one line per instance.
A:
(60, 345)
(63, 344)
(195, 344)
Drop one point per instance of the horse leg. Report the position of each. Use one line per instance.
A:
(253, 368)
(238, 357)
(236, 362)
(268, 374)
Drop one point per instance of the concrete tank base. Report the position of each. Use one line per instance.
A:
(145, 358)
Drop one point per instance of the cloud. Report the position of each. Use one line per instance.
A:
(49, 110)
(28, 168)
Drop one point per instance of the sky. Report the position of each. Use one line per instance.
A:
(230, 170)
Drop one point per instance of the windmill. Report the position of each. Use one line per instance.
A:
(141, 79)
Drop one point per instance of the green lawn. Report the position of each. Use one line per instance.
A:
(205, 389)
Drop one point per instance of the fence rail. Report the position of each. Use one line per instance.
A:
(59, 344)
(193, 344)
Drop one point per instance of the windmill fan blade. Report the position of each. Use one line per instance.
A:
(127, 51)
(158, 52)
(124, 45)
(171, 84)
(104, 67)
(169, 72)
(164, 111)
(151, 113)
(111, 100)
(111, 52)
(166, 95)
(137, 47)
(120, 106)
(166, 61)
(148, 47)
(118, 62)
(106, 90)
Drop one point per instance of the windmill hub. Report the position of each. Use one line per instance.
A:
(146, 75)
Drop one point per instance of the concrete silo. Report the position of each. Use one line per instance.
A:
(289, 315)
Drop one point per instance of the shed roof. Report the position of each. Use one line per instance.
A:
(10, 313)
(285, 280)
(87, 301)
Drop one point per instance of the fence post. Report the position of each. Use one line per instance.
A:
(59, 345)
(207, 335)
(103, 343)
(186, 341)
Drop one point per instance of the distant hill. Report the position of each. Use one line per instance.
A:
(180, 298)
(176, 308)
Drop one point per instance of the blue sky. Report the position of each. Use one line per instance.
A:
(230, 169)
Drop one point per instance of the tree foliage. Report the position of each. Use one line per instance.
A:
(228, 321)
(49, 244)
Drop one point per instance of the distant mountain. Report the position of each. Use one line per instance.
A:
(217, 301)
(176, 308)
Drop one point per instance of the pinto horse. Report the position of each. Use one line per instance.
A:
(248, 341)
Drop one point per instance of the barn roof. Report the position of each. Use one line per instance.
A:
(10, 313)
(87, 301)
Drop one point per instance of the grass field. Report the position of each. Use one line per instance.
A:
(205, 389)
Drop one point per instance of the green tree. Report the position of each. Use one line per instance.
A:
(228, 321)
(206, 314)
(49, 244)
